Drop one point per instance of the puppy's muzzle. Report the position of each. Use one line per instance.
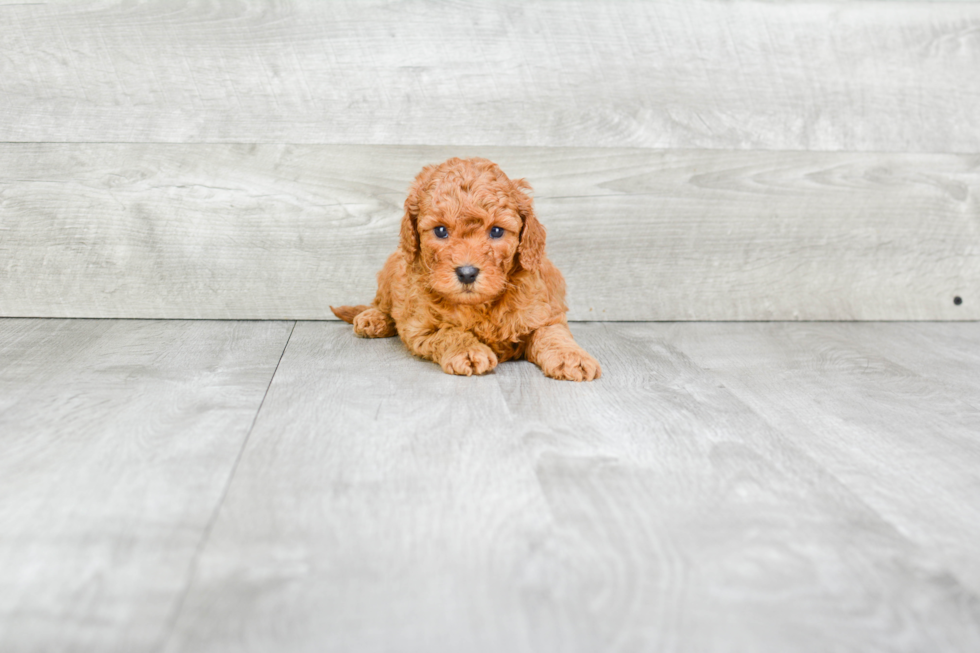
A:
(467, 274)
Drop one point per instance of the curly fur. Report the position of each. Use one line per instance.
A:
(516, 306)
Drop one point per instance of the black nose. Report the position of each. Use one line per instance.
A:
(467, 274)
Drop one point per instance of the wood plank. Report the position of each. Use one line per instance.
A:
(118, 439)
(867, 75)
(748, 540)
(382, 505)
(947, 353)
(383, 481)
(277, 231)
(906, 443)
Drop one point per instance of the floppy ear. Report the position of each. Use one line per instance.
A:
(530, 250)
(409, 239)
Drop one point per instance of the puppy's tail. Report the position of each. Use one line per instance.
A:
(348, 313)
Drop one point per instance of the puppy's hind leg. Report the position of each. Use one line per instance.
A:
(348, 313)
(368, 321)
(372, 323)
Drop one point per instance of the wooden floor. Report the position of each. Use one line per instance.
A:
(277, 486)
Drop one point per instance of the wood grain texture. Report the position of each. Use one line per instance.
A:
(945, 353)
(117, 440)
(870, 76)
(382, 505)
(283, 231)
(885, 408)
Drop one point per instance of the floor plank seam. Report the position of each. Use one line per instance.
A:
(206, 535)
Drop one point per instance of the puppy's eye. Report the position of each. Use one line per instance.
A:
(441, 232)
(496, 232)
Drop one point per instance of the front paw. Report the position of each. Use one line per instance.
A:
(569, 365)
(477, 359)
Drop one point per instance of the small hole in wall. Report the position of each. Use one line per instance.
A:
(957, 300)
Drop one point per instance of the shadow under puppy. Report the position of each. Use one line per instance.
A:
(470, 285)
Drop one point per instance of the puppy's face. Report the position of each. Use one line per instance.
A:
(468, 221)
(468, 246)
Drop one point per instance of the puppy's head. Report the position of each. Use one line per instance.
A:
(470, 227)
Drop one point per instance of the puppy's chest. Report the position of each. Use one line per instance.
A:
(500, 337)
(506, 336)
(505, 343)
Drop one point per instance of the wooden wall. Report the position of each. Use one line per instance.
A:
(692, 160)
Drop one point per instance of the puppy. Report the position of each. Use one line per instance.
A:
(470, 285)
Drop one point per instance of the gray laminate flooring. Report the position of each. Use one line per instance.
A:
(276, 486)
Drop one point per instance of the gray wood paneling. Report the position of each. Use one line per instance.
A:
(871, 76)
(884, 408)
(790, 487)
(117, 441)
(283, 231)
(946, 353)
(382, 505)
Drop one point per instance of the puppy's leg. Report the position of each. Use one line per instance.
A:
(348, 313)
(553, 349)
(456, 351)
(368, 321)
(372, 323)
